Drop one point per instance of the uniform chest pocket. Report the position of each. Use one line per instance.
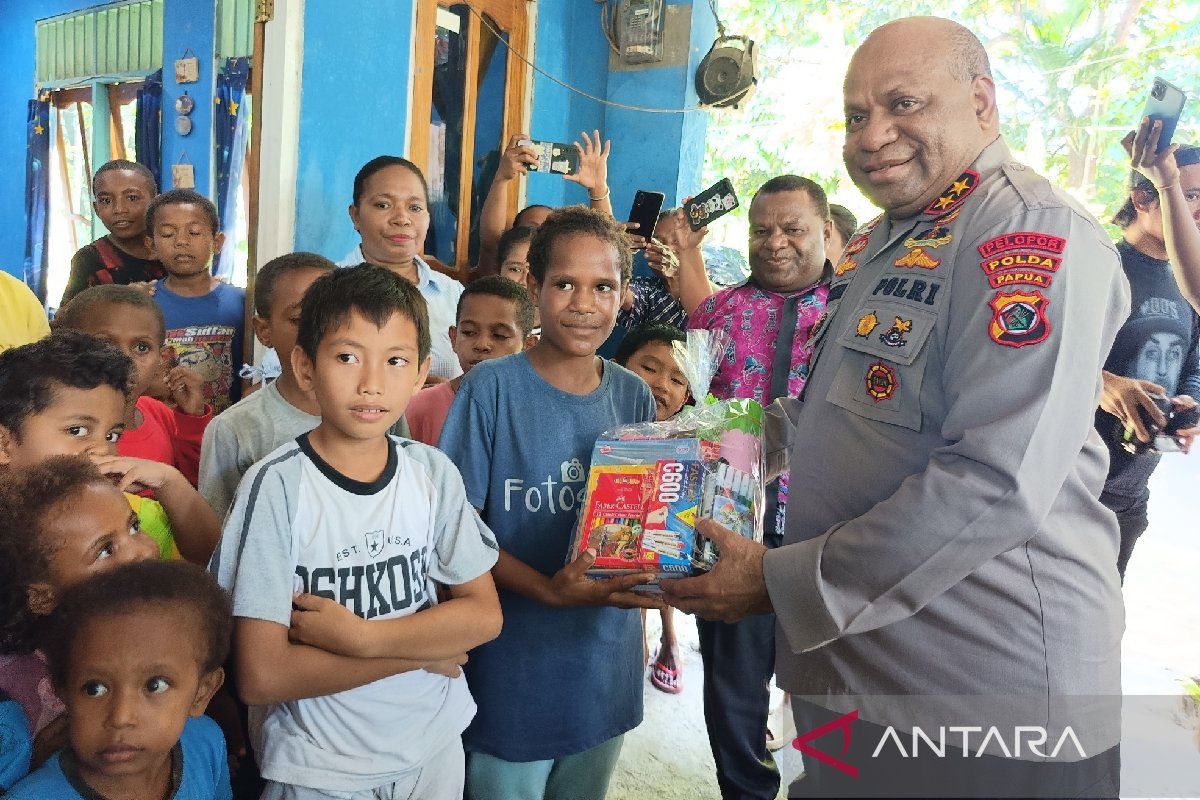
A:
(883, 361)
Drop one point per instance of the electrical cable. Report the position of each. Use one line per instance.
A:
(712, 4)
(628, 107)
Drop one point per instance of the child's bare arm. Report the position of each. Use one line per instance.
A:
(468, 619)
(272, 669)
(194, 525)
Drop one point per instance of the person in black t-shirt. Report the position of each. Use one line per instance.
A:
(1156, 351)
(121, 192)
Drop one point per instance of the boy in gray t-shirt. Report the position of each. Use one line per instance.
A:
(245, 432)
(333, 552)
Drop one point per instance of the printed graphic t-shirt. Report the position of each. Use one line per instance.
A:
(557, 681)
(206, 334)
(298, 525)
(1158, 343)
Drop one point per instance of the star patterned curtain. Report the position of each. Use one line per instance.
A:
(232, 130)
(37, 194)
(148, 125)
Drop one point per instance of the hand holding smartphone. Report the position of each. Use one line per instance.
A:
(553, 157)
(646, 207)
(1164, 105)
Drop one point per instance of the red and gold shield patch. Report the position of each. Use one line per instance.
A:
(1019, 318)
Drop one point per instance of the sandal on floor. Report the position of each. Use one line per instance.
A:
(781, 728)
(664, 678)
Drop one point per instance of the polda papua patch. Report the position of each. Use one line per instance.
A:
(1019, 318)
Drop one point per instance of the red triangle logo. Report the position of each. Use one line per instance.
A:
(842, 724)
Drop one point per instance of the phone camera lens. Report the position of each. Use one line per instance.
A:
(1158, 91)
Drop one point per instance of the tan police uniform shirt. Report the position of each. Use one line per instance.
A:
(944, 536)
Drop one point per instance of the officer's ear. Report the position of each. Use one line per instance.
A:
(983, 99)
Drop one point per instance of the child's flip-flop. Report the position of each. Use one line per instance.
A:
(664, 678)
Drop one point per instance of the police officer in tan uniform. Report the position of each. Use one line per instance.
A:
(945, 538)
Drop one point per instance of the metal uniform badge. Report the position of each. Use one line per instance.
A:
(936, 235)
(1019, 318)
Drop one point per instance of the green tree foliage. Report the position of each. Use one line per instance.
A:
(1071, 75)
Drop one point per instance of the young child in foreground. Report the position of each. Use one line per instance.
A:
(649, 353)
(61, 522)
(204, 316)
(562, 684)
(136, 655)
(333, 552)
(68, 394)
(494, 319)
(130, 319)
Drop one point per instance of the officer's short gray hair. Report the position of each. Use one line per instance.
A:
(968, 59)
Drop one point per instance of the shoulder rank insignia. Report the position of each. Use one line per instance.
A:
(894, 336)
(881, 381)
(1019, 318)
(847, 264)
(866, 323)
(953, 197)
(917, 257)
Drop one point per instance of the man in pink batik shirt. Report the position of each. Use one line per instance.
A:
(770, 319)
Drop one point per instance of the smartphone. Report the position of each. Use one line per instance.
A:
(1164, 104)
(554, 157)
(714, 202)
(646, 207)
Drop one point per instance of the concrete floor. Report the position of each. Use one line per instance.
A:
(668, 757)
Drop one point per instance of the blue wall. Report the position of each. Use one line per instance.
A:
(189, 24)
(571, 47)
(353, 107)
(657, 152)
(186, 23)
(16, 88)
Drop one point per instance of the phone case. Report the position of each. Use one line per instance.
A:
(713, 203)
(554, 157)
(646, 207)
(1165, 103)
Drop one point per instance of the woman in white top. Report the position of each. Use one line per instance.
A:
(391, 214)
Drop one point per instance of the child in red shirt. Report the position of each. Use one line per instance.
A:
(494, 318)
(130, 319)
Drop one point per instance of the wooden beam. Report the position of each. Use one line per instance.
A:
(466, 165)
(253, 167)
(116, 133)
(65, 175)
